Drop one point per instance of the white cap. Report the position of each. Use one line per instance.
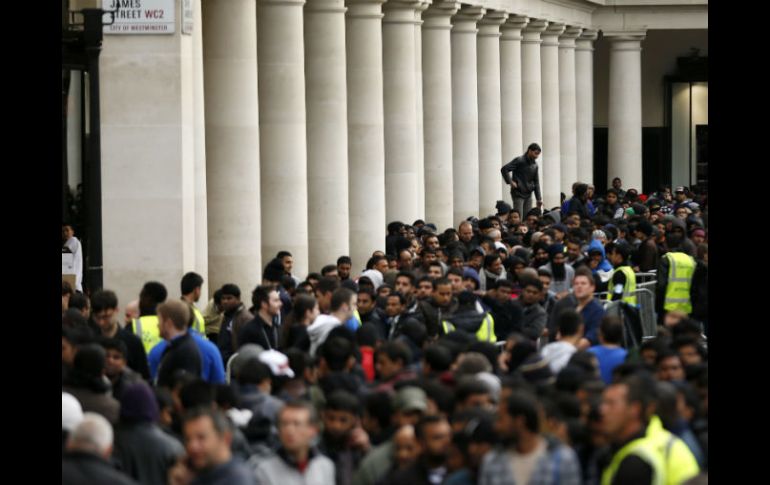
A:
(71, 412)
(278, 363)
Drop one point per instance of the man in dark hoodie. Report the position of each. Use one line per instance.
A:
(142, 449)
(676, 236)
(524, 179)
(470, 319)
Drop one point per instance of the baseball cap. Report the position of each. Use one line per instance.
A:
(278, 363)
(410, 399)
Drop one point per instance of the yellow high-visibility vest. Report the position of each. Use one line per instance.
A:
(485, 333)
(147, 328)
(629, 287)
(681, 267)
(199, 324)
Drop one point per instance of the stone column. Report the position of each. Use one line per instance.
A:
(550, 180)
(437, 109)
(531, 93)
(568, 109)
(232, 143)
(584, 89)
(148, 152)
(419, 110)
(465, 113)
(625, 108)
(490, 116)
(327, 131)
(282, 130)
(366, 139)
(510, 92)
(399, 78)
(201, 265)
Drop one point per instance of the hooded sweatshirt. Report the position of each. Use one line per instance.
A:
(604, 270)
(319, 330)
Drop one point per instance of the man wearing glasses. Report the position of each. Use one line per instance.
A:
(104, 312)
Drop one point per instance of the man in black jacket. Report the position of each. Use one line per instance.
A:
(104, 312)
(435, 436)
(182, 352)
(262, 329)
(524, 179)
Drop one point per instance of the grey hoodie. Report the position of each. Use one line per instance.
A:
(319, 330)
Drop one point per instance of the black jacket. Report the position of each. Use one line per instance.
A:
(577, 205)
(79, 468)
(507, 316)
(137, 357)
(431, 315)
(257, 331)
(524, 173)
(181, 354)
(417, 474)
(145, 452)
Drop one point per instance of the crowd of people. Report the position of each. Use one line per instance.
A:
(483, 354)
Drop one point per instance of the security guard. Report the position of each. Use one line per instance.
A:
(147, 326)
(191, 292)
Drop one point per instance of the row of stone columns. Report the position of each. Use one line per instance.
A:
(326, 119)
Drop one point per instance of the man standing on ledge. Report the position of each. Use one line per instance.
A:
(524, 180)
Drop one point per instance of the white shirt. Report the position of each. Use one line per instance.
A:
(557, 354)
(74, 246)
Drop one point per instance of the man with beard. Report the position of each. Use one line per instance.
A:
(493, 271)
(434, 435)
(527, 456)
(343, 439)
(562, 272)
(540, 250)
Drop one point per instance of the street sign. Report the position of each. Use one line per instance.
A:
(141, 16)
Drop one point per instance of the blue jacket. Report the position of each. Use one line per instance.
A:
(604, 265)
(213, 369)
